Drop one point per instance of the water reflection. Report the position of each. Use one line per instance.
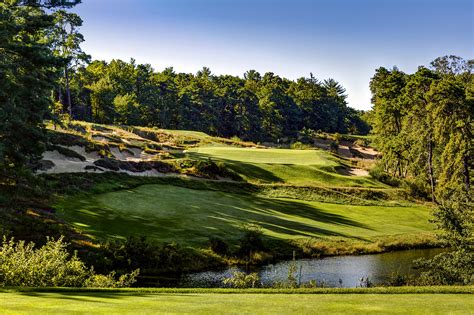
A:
(344, 271)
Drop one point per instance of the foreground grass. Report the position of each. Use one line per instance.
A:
(396, 301)
(190, 217)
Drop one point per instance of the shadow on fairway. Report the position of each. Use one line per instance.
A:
(188, 216)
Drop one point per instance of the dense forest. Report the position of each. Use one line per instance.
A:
(423, 126)
(256, 107)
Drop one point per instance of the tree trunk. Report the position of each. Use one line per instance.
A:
(60, 98)
(68, 92)
(430, 169)
(467, 178)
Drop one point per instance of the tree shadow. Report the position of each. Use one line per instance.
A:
(201, 214)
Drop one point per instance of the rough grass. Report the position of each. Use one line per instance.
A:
(418, 301)
(298, 167)
(188, 216)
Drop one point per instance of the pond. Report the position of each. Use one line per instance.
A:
(340, 271)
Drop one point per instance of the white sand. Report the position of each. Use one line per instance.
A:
(64, 164)
(358, 172)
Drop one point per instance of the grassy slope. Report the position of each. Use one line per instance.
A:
(170, 213)
(299, 167)
(233, 302)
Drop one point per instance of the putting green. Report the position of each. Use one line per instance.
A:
(187, 216)
(273, 156)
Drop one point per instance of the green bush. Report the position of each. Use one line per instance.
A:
(218, 246)
(417, 188)
(379, 174)
(108, 281)
(51, 265)
(300, 146)
(137, 252)
(241, 280)
(364, 143)
(251, 241)
(449, 268)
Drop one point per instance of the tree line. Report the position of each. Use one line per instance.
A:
(423, 125)
(29, 71)
(256, 107)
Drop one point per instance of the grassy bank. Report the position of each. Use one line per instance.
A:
(201, 301)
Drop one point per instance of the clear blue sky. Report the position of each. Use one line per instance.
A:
(343, 39)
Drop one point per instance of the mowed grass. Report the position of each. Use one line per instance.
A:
(190, 217)
(298, 167)
(137, 302)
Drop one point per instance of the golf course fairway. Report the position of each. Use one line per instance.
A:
(189, 217)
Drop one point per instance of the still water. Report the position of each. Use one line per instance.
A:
(341, 271)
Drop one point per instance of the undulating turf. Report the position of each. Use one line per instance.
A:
(138, 302)
(299, 167)
(187, 216)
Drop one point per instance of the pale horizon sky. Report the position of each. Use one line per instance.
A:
(341, 39)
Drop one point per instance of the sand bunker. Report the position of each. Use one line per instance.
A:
(358, 172)
(65, 164)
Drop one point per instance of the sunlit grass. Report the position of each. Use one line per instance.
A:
(234, 302)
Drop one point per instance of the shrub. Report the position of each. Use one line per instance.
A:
(306, 135)
(207, 169)
(379, 174)
(449, 268)
(251, 241)
(364, 143)
(218, 246)
(48, 266)
(417, 188)
(138, 252)
(236, 139)
(108, 281)
(300, 146)
(108, 163)
(241, 280)
(51, 265)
